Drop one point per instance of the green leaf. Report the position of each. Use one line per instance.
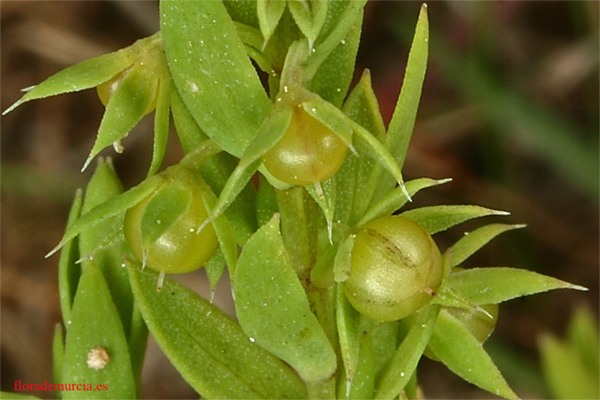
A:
(435, 219)
(273, 310)
(214, 168)
(566, 374)
(127, 105)
(403, 119)
(375, 149)
(207, 347)
(404, 116)
(270, 133)
(104, 245)
(212, 72)
(84, 75)
(225, 235)
(114, 206)
(167, 205)
(498, 284)
(96, 326)
(362, 107)
(269, 13)
(58, 354)
(243, 11)
(396, 198)
(342, 26)
(398, 372)
(68, 268)
(214, 270)
(266, 201)
(310, 16)
(473, 241)
(464, 355)
(324, 194)
(335, 72)
(383, 340)
(349, 336)
(161, 123)
(343, 259)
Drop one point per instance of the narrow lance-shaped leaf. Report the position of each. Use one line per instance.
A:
(310, 16)
(96, 349)
(206, 346)
(435, 219)
(130, 101)
(324, 194)
(473, 241)
(158, 218)
(464, 355)
(403, 365)
(108, 209)
(379, 154)
(403, 118)
(212, 72)
(104, 244)
(58, 353)
(396, 198)
(84, 75)
(269, 13)
(362, 107)
(68, 269)
(343, 259)
(270, 133)
(334, 74)
(273, 310)
(161, 123)
(224, 232)
(498, 284)
(346, 22)
(349, 336)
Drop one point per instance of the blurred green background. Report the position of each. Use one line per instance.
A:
(510, 111)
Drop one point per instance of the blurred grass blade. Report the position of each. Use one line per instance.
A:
(566, 374)
(206, 346)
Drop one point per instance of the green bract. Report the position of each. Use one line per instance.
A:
(161, 230)
(396, 267)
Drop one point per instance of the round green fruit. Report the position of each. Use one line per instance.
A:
(396, 268)
(161, 230)
(309, 152)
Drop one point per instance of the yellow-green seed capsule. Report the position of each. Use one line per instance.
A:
(161, 229)
(395, 270)
(309, 152)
